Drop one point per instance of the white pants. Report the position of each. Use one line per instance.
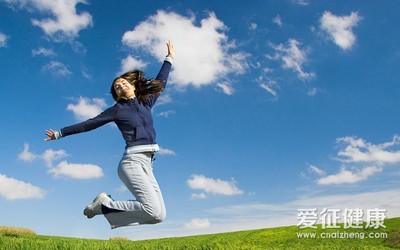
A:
(136, 172)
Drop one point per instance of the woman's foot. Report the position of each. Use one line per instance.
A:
(94, 208)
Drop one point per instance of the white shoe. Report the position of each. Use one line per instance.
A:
(94, 208)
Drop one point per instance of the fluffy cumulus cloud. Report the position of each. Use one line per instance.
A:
(360, 160)
(63, 21)
(349, 176)
(130, 63)
(26, 155)
(87, 108)
(57, 68)
(292, 57)
(62, 169)
(213, 186)
(76, 171)
(204, 52)
(3, 40)
(49, 156)
(13, 189)
(340, 28)
(358, 150)
(197, 223)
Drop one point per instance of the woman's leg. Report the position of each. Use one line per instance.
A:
(135, 171)
(156, 187)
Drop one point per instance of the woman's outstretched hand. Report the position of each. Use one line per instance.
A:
(171, 50)
(51, 135)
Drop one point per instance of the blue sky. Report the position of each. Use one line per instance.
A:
(271, 106)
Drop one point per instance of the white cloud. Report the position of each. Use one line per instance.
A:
(121, 189)
(13, 189)
(166, 114)
(292, 57)
(204, 53)
(49, 156)
(87, 108)
(3, 40)
(76, 171)
(26, 155)
(165, 151)
(339, 28)
(363, 200)
(347, 176)
(64, 21)
(198, 196)
(253, 26)
(213, 186)
(277, 20)
(236, 210)
(43, 52)
(226, 88)
(312, 92)
(266, 83)
(57, 69)
(85, 73)
(249, 216)
(358, 150)
(315, 170)
(198, 223)
(302, 2)
(164, 99)
(270, 86)
(261, 215)
(267, 70)
(237, 62)
(130, 63)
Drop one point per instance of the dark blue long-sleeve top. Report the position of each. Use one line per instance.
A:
(133, 119)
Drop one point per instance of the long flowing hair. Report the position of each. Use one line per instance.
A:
(144, 87)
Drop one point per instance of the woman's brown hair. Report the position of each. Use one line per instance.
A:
(144, 87)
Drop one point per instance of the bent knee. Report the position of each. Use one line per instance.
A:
(157, 217)
(161, 217)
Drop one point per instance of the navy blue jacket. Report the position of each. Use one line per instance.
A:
(133, 119)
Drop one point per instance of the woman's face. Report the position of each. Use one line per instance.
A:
(123, 88)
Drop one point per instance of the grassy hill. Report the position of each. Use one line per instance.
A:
(273, 238)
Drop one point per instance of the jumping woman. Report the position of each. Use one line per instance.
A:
(135, 96)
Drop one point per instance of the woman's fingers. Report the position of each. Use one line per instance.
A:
(171, 50)
(50, 134)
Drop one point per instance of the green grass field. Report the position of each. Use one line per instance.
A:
(272, 238)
